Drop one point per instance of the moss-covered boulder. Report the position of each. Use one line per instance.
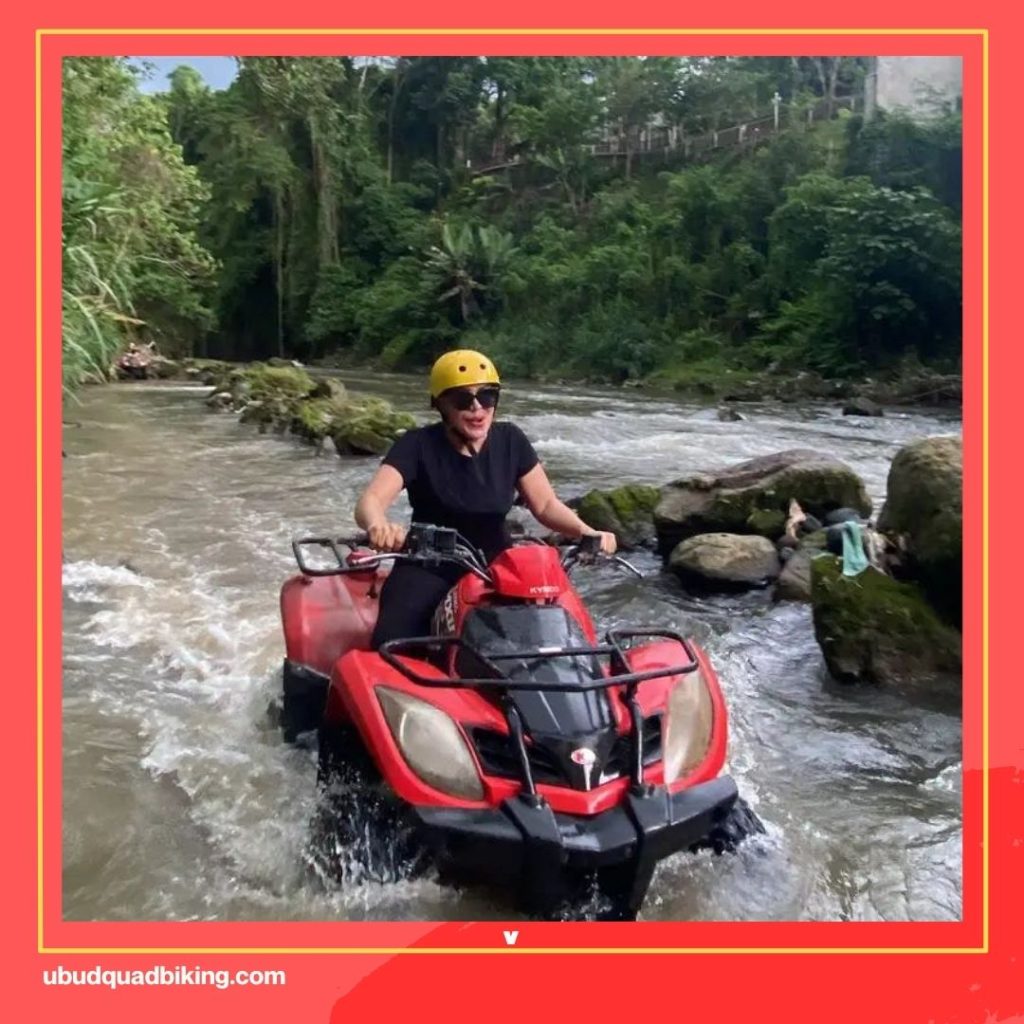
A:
(285, 398)
(725, 561)
(329, 387)
(369, 428)
(625, 511)
(924, 504)
(753, 497)
(279, 383)
(767, 522)
(209, 371)
(314, 418)
(233, 383)
(872, 628)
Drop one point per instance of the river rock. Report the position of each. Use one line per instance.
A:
(727, 414)
(725, 561)
(625, 511)
(862, 407)
(842, 515)
(753, 496)
(794, 582)
(872, 628)
(219, 400)
(212, 372)
(924, 505)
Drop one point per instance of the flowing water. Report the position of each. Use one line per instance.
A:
(181, 802)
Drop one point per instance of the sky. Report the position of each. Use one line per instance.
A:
(216, 71)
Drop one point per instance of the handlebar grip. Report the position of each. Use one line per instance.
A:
(361, 540)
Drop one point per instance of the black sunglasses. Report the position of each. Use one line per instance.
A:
(462, 399)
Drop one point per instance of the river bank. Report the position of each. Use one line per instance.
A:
(913, 386)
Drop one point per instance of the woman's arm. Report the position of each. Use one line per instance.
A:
(372, 507)
(542, 501)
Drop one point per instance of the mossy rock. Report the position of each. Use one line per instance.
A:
(369, 428)
(754, 496)
(625, 511)
(314, 419)
(767, 522)
(329, 387)
(924, 503)
(234, 383)
(874, 629)
(818, 540)
(283, 383)
(212, 371)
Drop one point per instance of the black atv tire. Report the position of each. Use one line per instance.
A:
(739, 823)
(359, 830)
(303, 694)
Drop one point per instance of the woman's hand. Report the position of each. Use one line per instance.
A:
(385, 536)
(609, 545)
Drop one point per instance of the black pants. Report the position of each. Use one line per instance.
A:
(408, 599)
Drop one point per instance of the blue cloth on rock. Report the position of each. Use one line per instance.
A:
(855, 561)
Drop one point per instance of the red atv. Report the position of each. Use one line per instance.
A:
(510, 744)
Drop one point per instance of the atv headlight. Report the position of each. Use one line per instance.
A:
(688, 726)
(431, 743)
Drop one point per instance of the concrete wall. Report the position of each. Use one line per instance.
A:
(921, 86)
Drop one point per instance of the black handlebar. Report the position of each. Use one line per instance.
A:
(427, 544)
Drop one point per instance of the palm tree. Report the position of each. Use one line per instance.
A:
(468, 262)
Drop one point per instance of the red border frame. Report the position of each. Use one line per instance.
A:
(968, 983)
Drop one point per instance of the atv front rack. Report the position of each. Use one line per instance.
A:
(391, 651)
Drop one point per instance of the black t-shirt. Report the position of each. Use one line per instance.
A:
(471, 494)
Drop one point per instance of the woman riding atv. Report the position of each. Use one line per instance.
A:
(462, 472)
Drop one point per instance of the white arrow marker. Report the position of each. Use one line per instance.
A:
(510, 938)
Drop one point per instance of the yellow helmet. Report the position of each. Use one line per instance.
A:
(461, 367)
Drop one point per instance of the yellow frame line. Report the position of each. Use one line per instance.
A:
(513, 31)
(984, 494)
(43, 948)
(39, 490)
(515, 951)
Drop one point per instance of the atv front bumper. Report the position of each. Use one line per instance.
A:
(542, 852)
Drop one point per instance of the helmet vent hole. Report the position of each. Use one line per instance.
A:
(482, 367)
(462, 369)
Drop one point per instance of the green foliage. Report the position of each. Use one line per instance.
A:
(130, 212)
(344, 202)
(875, 275)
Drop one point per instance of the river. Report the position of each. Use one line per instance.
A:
(182, 803)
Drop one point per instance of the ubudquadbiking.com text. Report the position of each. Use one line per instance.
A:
(180, 975)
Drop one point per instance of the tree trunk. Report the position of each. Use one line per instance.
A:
(279, 216)
(391, 133)
(392, 109)
(498, 145)
(819, 66)
(833, 81)
(327, 219)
